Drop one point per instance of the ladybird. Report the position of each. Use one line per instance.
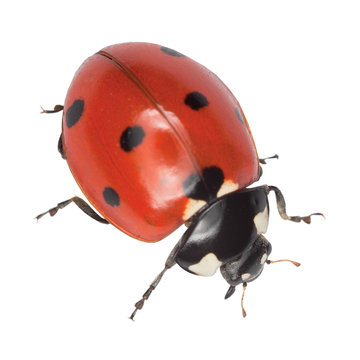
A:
(155, 140)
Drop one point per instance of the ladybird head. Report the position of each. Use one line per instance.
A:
(249, 265)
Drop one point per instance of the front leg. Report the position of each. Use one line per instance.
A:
(281, 205)
(170, 262)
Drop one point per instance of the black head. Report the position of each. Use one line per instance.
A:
(249, 265)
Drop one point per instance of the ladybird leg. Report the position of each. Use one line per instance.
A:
(80, 203)
(61, 147)
(139, 305)
(280, 201)
(263, 161)
(56, 109)
(170, 262)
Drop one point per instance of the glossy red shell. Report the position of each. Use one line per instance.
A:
(138, 84)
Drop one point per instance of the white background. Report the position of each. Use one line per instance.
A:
(68, 284)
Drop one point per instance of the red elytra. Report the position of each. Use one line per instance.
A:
(139, 119)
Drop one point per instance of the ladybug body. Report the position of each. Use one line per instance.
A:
(151, 136)
(155, 140)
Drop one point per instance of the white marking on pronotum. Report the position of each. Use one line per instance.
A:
(207, 266)
(192, 207)
(228, 186)
(263, 259)
(245, 276)
(261, 221)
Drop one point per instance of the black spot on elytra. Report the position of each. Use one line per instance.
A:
(74, 112)
(206, 190)
(131, 137)
(111, 197)
(239, 115)
(171, 52)
(196, 100)
(194, 188)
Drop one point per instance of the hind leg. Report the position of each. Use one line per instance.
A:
(263, 162)
(57, 108)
